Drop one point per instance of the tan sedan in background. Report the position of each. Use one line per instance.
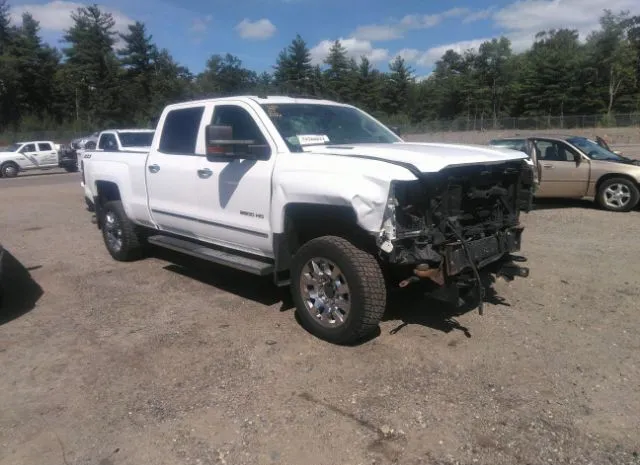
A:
(576, 167)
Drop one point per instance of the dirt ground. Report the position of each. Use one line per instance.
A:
(172, 361)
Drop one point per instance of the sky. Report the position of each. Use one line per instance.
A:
(257, 30)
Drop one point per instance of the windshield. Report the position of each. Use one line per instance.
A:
(315, 124)
(593, 150)
(136, 139)
(12, 148)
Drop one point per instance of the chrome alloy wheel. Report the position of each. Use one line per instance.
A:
(113, 231)
(325, 292)
(617, 195)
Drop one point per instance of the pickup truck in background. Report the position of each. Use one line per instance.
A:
(25, 156)
(116, 140)
(132, 140)
(320, 196)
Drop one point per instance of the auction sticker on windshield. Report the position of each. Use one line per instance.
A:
(309, 139)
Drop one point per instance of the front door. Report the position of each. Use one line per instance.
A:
(563, 171)
(47, 154)
(235, 195)
(29, 158)
(171, 172)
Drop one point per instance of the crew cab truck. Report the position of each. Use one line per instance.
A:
(116, 140)
(318, 195)
(132, 140)
(25, 156)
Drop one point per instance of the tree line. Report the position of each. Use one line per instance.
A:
(89, 83)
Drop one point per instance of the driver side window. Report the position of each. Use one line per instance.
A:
(555, 151)
(243, 126)
(28, 148)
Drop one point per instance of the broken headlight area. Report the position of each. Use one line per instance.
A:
(456, 221)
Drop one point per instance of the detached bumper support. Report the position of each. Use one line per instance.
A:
(483, 251)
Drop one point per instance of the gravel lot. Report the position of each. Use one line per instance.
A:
(172, 361)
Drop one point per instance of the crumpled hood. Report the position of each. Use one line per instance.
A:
(426, 157)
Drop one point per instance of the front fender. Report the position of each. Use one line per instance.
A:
(366, 195)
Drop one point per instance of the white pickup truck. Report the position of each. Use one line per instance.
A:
(115, 140)
(320, 196)
(131, 140)
(29, 155)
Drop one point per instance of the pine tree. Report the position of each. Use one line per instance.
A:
(5, 25)
(136, 58)
(293, 70)
(337, 72)
(368, 86)
(398, 83)
(93, 65)
(35, 63)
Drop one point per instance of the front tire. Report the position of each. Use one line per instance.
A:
(9, 170)
(618, 195)
(120, 235)
(338, 289)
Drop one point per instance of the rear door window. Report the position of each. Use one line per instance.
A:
(180, 131)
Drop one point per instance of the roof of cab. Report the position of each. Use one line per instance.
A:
(262, 100)
(129, 130)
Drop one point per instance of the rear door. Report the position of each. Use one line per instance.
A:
(172, 171)
(564, 172)
(47, 154)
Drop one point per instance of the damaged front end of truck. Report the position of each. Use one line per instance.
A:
(451, 227)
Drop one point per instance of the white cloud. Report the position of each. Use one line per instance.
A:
(200, 25)
(478, 15)
(521, 20)
(397, 29)
(261, 29)
(432, 55)
(377, 32)
(355, 49)
(55, 16)
(409, 54)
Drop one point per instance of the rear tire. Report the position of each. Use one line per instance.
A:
(618, 195)
(9, 170)
(121, 236)
(338, 289)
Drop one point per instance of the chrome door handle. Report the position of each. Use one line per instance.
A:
(154, 168)
(547, 166)
(205, 173)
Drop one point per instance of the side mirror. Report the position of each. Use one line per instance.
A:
(396, 130)
(220, 144)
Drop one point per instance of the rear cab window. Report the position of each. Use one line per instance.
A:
(44, 147)
(108, 142)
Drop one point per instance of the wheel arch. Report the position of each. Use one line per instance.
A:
(306, 221)
(608, 176)
(106, 191)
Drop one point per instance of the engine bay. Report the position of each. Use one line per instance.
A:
(459, 215)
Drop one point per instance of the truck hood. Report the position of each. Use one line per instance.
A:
(4, 154)
(426, 157)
